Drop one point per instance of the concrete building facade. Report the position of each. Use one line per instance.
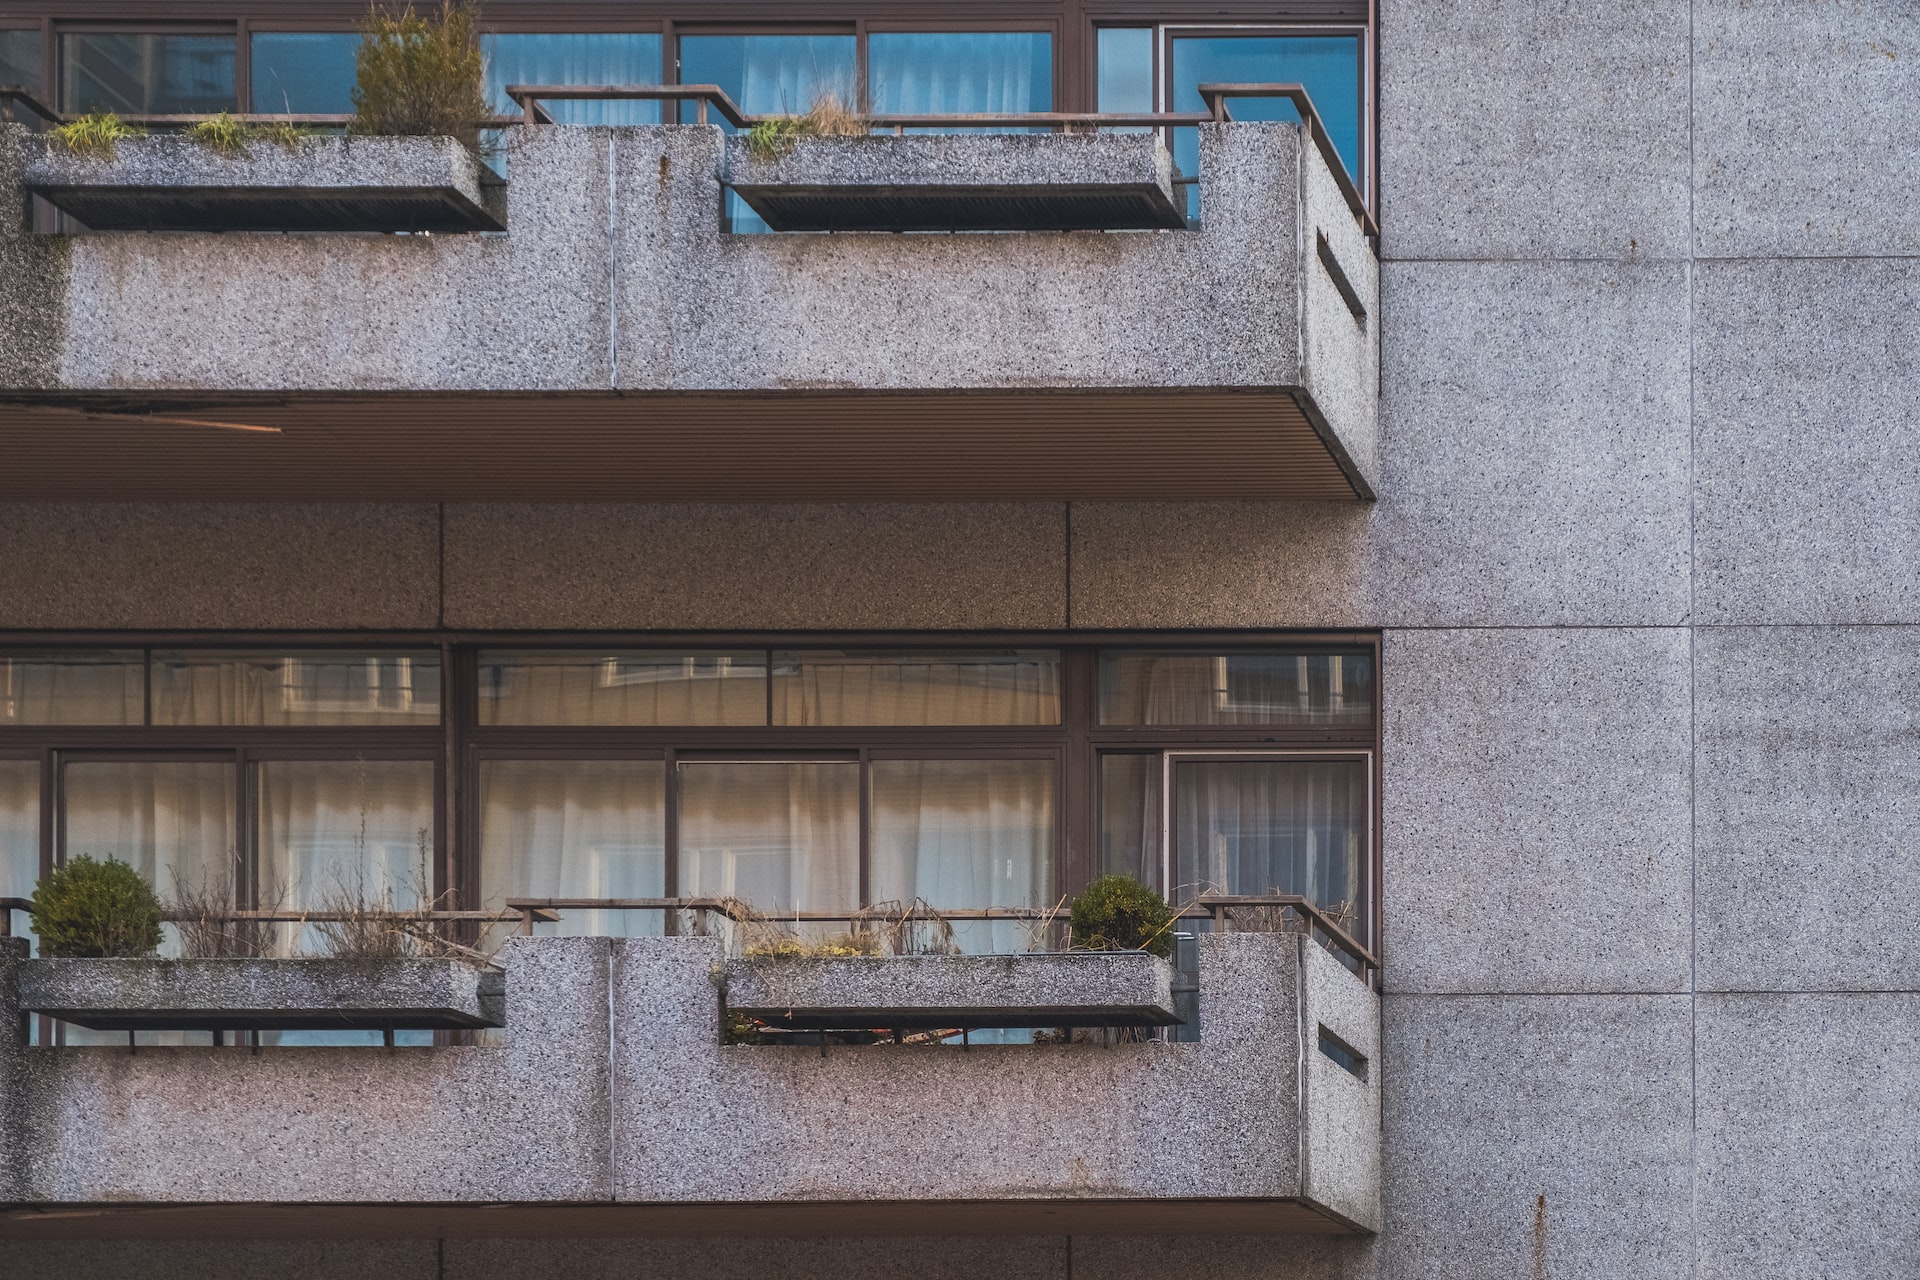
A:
(1630, 525)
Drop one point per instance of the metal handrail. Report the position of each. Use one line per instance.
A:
(12, 94)
(7, 907)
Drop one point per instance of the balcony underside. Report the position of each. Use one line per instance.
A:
(1086, 207)
(287, 209)
(786, 1218)
(794, 446)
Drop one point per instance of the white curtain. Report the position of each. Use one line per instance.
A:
(1271, 826)
(623, 688)
(783, 836)
(318, 687)
(828, 688)
(170, 821)
(72, 688)
(1235, 689)
(19, 828)
(968, 72)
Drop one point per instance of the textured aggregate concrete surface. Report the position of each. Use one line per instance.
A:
(315, 164)
(1003, 160)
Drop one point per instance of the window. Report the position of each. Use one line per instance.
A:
(20, 58)
(576, 57)
(303, 72)
(140, 73)
(960, 72)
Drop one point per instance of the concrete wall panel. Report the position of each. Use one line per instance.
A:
(237, 565)
(1803, 127)
(1535, 804)
(1533, 129)
(1536, 1136)
(1809, 1136)
(1809, 791)
(1807, 441)
(706, 566)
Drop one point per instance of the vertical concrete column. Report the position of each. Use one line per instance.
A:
(32, 303)
(13, 1069)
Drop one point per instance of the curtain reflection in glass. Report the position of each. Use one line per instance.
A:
(170, 821)
(101, 686)
(971, 72)
(829, 687)
(575, 58)
(300, 72)
(1236, 688)
(137, 74)
(575, 829)
(344, 832)
(630, 687)
(1260, 827)
(1130, 817)
(784, 837)
(965, 834)
(312, 687)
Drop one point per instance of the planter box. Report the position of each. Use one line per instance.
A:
(263, 995)
(1071, 989)
(322, 184)
(1019, 182)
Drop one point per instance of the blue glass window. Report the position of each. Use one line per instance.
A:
(575, 58)
(20, 59)
(136, 73)
(1126, 69)
(304, 72)
(971, 72)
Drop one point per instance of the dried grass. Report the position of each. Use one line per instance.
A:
(421, 75)
(203, 914)
(774, 136)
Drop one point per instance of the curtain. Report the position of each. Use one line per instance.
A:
(575, 829)
(1259, 827)
(575, 58)
(822, 688)
(965, 834)
(966, 72)
(631, 688)
(785, 837)
(19, 827)
(104, 687)
(170, 821)
(1235, 689)
(1130, 817)
(319, 687)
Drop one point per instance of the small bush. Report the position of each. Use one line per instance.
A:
(222, 133)
(420, 76)
(774, 136)
(89, 908)
(1118, 913)
(95, 135)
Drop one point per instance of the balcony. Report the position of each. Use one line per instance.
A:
(613, 1104)
(618, 342)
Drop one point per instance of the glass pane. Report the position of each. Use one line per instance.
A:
(311, 687)
(304, 72)
(1126, 69)
(20, 59)
(79, 686)
(137, 74)
(769, 74)
(1282, 689)
(1329, 67)
(784, 837)
(966, 834)
(972, 72)
(575, 829)
(625, 687)
(578, 58)
(1130, 817)
(19, 833)
(336, 834)
(1260, 827)
(171, 821)
(851, 687)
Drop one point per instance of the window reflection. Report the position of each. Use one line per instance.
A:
(309, 687)
(77, 686)
(1171, 688)
(20, 59)
(624, 687)
(144, 73)
(855, 687)
(303, 72)
(1125, 69)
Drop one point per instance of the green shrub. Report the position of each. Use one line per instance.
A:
(95, 135)
(774, 136)
(1118, 913)
(89, 908)
(222, 133)
(420, 76)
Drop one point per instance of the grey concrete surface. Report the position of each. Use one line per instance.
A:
(1341, 1148)
(1057, 989)
(1535, 804)
(1808, 1136)
(1530, 129)
(219, 565)
(1808, 758)
(122, 994)
(1537, 1136)
(849, 566)
(1807, 441)
(1803, 127)
(33, 310)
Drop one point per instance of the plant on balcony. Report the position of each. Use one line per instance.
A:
(1118, 913)
(95, 136)
(96, 909)
(774, 136)
(221, 133)
(421, 75)
(203, 913)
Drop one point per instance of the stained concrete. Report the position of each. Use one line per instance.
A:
(227, 566)
(846, 566)
(1803, 127)
(1537, 1135)
(1808, 756)
(1535, 803)
(1807, 441)
(1808, 1136)
(1525, 129)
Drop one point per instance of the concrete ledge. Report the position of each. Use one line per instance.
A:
(320, 184)
(1072, 989)
(263, 995)
(1000, 182)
